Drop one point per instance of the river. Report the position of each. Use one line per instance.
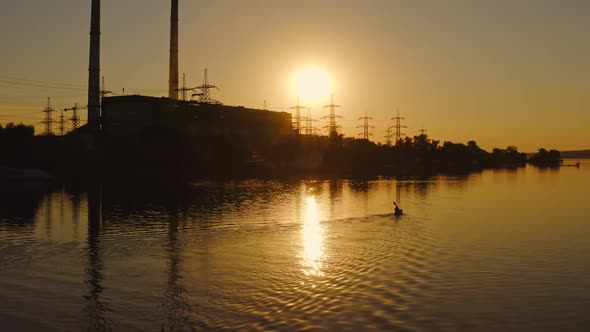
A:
(492, 251)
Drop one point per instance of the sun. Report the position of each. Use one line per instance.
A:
(313, 85)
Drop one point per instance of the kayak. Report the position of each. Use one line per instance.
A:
(398, 212)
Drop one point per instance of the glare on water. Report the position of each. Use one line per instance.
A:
(313, 233)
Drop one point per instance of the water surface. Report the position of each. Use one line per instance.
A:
(497, 250)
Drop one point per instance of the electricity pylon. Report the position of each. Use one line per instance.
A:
(398, 127)
(297, 118)
(61, 124)
(365, 134)
(75, 119)
(48, 121)
(332, 126)
(422, 131)
(388, 135)
(184, 90)
(309, 128)
(205, 94)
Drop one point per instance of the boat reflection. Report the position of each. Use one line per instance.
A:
(313, 233)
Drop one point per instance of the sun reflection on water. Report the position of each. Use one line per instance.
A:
(313, 232)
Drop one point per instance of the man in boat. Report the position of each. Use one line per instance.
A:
(397, 210)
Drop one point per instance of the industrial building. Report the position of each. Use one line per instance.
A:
(126, 116)
(129, 115)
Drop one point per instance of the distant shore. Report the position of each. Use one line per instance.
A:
(578, 154)
(178, 153)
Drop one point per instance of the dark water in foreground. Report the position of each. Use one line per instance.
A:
(500, 250)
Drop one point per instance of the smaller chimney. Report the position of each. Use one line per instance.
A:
(94, 66)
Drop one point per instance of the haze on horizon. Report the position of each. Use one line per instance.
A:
(498, 72)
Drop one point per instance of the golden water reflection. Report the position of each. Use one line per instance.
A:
(313, 233)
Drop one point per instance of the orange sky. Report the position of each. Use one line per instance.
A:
(499, 72)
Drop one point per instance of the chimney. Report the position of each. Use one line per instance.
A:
(94, 66)
(173, 80)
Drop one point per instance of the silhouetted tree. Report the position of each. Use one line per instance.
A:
(508, 157)
(17, 145)
(546, 158)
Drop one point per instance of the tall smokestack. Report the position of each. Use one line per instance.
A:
(173, 81)
(94, 66)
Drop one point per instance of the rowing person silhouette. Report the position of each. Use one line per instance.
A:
(396, 210)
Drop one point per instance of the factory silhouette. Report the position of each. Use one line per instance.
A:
(129, 116)
(142, 136)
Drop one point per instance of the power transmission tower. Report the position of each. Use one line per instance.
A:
(205, 94)
(388, 135)
(309, 128)
(308, 125)
(332, 126)
(422, 131)
(48, 121)
(297, 118)
(75, 119)
(366, 126)
(185, 89)
(62, 124)
(398, 127)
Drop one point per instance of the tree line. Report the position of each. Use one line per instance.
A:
(164, 151)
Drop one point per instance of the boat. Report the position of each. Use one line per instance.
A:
(571, 165)
(396, 210)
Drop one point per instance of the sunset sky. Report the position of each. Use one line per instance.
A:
(499, 72)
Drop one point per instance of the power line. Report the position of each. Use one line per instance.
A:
(44, 82)
(12, 116)
(56, 85)
(40, 85)
(12, 87)
(32, 112)
(38, 96)
(18, 102)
